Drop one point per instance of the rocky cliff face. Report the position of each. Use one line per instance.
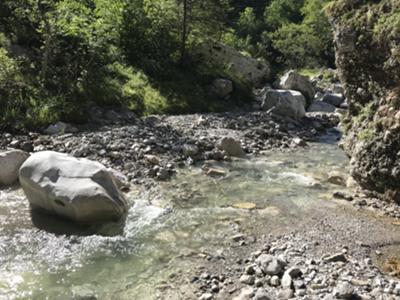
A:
(367, 37)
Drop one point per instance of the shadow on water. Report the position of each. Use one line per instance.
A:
(43, 220)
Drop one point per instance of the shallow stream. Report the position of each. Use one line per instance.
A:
(191, 215)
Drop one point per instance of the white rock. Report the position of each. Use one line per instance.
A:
(10, 162)
(78, 189)
(284, 102)
(294, 81)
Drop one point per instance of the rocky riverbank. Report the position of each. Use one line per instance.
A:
(142, 149)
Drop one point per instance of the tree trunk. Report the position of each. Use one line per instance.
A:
(184, 32)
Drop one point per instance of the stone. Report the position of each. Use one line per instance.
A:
(285, 294)
(344, 291)
(247, 279)
(343, 196)
(231, 146)
(261, 294)
(269, 264)
(286, 281)
(222, 87)
(213, 172)
(60, 128)
(283, 102)
(245, 294)
(245, 205)
(275, 281)
(299, 142)
(333, 99)
(338, 257)
(154, 160)
(206, 296)
(10, 162)
(245, 70)
(81, 190)
(337, 178)
(320, 106)
(294, 81)
(190, 150)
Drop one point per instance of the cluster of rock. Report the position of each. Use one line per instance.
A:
(289, 268)
(153, 147)
(367, 44)
(294, 95)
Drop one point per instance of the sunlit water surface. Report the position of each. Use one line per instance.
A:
(192, 214)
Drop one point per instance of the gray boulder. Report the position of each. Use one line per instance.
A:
(10, 162)
(320, 106)
(333, 99)
(60, 128)
(78, 189)
(294, 81)
(241, 69)
(284, 102)
(222, 87)
(231, 146)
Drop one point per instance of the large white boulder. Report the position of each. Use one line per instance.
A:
(78, 189)
(10, 162)
(240, 68)
(284, 102)
(294, 81)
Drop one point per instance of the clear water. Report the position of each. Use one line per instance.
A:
(192, 214)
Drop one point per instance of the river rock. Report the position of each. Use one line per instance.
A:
(284, 102)
(60, 128)
(231, 146)
(320, 106)
(333, 99)
(269, 264)
(78, 189)
(294, 81)
(336, 178)
(10, 162)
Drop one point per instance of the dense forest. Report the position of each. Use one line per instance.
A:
(57, 57)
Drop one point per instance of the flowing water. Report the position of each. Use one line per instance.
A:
(191, 214)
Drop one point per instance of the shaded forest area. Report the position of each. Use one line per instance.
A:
(57, 58)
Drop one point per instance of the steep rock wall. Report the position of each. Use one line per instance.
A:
(367, 39)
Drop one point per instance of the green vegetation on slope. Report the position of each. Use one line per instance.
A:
(58, 57)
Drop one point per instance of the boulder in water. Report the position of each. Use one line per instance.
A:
(10, 162)
(78, 189)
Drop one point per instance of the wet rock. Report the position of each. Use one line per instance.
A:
(342, 196)
(78, 189)
(10, 162)
(213, 172)
(231, 146)
(336, 178)
(84, 292)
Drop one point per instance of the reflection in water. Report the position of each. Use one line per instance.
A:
(42, 257)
